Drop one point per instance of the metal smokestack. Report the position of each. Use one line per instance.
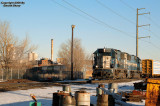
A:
(51, 49)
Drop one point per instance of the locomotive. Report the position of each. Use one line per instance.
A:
(111, 63)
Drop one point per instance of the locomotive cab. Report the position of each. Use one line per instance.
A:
(104, 62)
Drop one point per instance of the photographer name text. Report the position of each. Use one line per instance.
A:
(12, 4)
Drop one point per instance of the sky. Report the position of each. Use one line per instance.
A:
(98, 23)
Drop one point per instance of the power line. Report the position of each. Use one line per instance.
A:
(101, 21)
(122, 16)
(155, 35)
(151, 44)
(94, 19)
(155, 23)
(128, 5)
(119, 14)
(143, 27)
(114, 12)
(144, 16)
(97, 19)
(152, 21)
(74, 11)
(147, 52)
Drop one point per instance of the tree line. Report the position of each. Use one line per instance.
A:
(14, 52)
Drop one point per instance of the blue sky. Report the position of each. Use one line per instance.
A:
(44, 20)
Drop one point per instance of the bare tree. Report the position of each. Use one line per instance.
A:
(78, 54)
(13, 53)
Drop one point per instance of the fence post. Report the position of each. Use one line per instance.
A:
(2, 74)
(18, 73)
(11, 73)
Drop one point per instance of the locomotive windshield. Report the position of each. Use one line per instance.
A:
(103, 54)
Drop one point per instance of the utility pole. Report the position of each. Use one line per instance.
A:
(52, 50)
(137, 26)
(73, 26)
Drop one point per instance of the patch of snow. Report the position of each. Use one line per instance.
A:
(2, 80)
(44, 95)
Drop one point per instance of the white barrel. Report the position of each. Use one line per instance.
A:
(67, 88)
(113, 87)
(99, 91)
(82, 98)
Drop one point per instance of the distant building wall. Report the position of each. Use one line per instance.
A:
(60, 60)
(44, 62)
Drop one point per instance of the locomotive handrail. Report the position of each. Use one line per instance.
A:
(114, 95)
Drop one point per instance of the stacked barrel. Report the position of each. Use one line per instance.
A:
(65, 98)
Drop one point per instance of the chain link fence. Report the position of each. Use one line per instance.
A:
(12, 74)
(40, 75)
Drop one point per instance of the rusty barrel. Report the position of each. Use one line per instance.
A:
(105, 100)
(58, 98)
(62, 95)
(82, 98)
(153, 92)
(113, 87)
(67, 88)
(68, 101)
(55, 101)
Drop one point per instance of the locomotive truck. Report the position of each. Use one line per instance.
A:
(113, 64)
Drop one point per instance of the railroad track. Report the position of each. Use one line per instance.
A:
(30, 85)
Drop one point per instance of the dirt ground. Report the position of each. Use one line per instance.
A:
(23, 84)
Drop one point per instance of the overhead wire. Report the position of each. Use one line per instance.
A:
(74, 12)
(143, 27)
(105, 6)
(144, 16)
(119, 14)
(148, 53)
(96, 20)
(124, 17)
(104, 22)
(109, 26)
(149, 18)
(128, 5)
(93, 19)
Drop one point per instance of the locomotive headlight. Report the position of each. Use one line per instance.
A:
(96, 66)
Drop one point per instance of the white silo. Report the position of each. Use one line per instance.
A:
(30, 57)
(35, 56)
